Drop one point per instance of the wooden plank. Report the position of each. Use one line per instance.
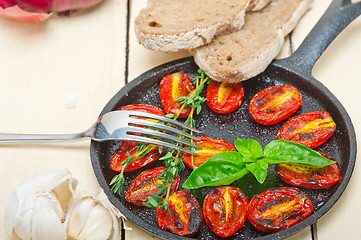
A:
(40, 63)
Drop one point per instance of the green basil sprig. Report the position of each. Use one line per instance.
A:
(226, 167)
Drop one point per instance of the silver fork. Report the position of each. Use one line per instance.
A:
(119, 125)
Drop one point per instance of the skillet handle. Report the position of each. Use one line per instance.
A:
(338, 16)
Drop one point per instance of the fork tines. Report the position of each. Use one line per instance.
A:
(163, 119)
(135, 122)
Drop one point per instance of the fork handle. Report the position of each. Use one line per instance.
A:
(44, 138)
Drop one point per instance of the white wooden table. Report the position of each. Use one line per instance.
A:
(91, 55)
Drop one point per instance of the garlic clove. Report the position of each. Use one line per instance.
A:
(98, 225)
(78, 216)
(92, 217)
(64, 192)
(46, 219)
(115, 213)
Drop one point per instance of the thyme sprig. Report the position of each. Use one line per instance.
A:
(118, 180)
(172, 159)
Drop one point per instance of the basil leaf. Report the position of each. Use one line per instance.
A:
(248, 148)
(259, 170)
(220, 169)
(282, 151)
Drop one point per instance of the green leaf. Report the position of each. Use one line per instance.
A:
(156, 198)
(169, 155)
(259, 170)
(170, 115)
(115, 179)
(158, 185)
(160, 149)
(248, 147)
(199, 109)
(220, 169)
(146, 204)
(282, 151)
(153, 201)
(161, 191)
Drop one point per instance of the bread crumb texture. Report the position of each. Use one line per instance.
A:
(170, 25)
(246, 53)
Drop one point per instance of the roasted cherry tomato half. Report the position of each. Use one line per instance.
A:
(274, 104)
(172, 87)
(307, 177)
(309, 129)
(225, 210)
(279, 208)
(186, 214)
(207, 148)
(143, 185)
(143, 108)
(131, 147)
(224, 97)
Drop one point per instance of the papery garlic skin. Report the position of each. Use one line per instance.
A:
(92, 217)
(33, 211)
(46, 220)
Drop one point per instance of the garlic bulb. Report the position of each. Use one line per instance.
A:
(92, 217)
(47, 206)
(35, 209)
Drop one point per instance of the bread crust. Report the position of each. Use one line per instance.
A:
(262, 55)
(191, 38)
(256, 5)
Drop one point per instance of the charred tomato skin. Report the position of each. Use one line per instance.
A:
(172, 87)
(224, 97)
(186, 214)
(143, 185)
(208, 148)
(274, 104)
(307, 177)
(131, 147)
(225, 210)
(309, 129)
(278, 208)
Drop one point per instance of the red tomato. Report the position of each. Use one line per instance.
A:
(279, 208)
(224, 97)
(307, 177)
(225, 210)
(309, 129)
(208, 148)
(172, 87)
(186, 214)
(274, 104)
(143, 185)
(143, 108)
(131, 147)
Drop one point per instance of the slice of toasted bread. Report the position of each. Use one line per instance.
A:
(244, 54)
(172, 25)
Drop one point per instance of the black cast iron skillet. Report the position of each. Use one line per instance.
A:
(296, 71)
